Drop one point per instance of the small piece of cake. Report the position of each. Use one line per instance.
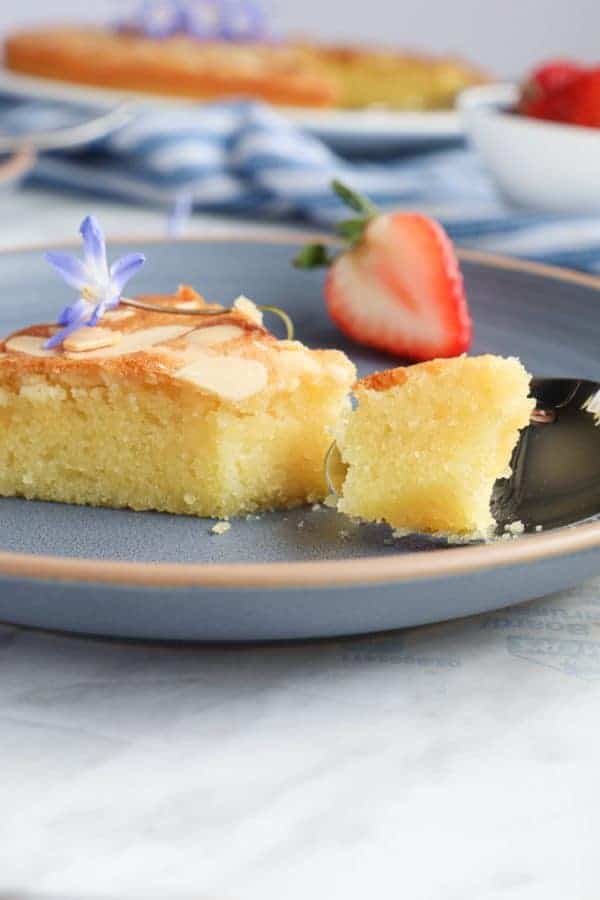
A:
(426, 444)
(209, 416)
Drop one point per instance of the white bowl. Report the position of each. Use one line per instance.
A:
(540, 165)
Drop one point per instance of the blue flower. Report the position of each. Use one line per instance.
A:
(160, 18)
(99, 286)
(203, 18)
(243, 20)
(206, 20)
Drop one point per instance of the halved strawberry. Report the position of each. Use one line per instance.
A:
(398, 287)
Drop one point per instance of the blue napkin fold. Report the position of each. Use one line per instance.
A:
(246, 158)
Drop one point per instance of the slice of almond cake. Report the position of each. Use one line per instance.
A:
(205, 415)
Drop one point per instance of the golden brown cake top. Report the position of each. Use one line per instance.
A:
(230, 356)
(469, 368)
(178, 65)
(243, 58)
(383, 381)
(385, 56)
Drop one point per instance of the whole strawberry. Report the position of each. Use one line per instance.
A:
(584, 100)
(556, 74)
(546, 93)
(397, 286)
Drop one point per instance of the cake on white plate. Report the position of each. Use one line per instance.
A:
(211, 416)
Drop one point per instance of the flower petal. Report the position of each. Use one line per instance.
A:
(125, 268)
(94, 249)
(203, 19)
(242, 21)
(97, 314)
(161, 18)
(74, 316)
(74, 311)
(59, 337)
(69, 268)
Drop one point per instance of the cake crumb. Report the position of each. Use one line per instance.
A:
(539, 527)
(316, 507)
(301, 524)
(515, 527)
(220, 528)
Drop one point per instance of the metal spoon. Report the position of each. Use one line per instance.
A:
(555, 466)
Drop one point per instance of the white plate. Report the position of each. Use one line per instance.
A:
(356, 131)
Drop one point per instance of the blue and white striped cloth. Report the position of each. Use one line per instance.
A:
(248, 159)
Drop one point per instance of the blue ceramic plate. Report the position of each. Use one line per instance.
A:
(150, 575)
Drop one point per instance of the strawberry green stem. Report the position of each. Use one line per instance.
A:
(313, 256)
(355, 201)
(352, 230)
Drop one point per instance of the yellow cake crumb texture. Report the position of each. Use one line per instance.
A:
(208, 416)
(426, 444)
(221, 528)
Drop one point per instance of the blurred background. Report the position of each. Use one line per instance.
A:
(479, 169)
(505, 36)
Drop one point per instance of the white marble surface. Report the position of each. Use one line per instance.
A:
(454, 762)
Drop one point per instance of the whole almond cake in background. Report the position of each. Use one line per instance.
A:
(208, 416)
(288, 73)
